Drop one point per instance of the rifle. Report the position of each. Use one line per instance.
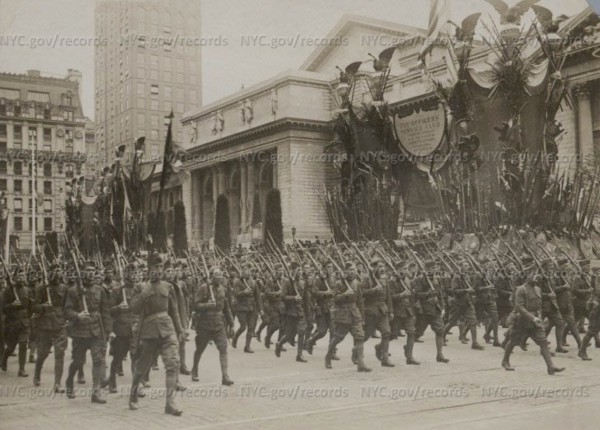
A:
(287, 270)
(45, 274)
(421, 266)
(120, 269)
(210, 290)
(79, 284)
(314, 262)
(17, 301)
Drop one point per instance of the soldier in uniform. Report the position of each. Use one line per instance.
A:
(183, 299)
(323, 294)
(593, 308)
(17, 307)
(550, 309)
(88, 312)
(486, 301)
(211, 310)
(528, 304)
(463, 304)
(49, 300)
(349, 318)
(378, 310)
(159, 330)
(272, 294)
(404, 313)
(429, 299)
(564, 299)
(293, 296)
(122, 340)
(247, 307)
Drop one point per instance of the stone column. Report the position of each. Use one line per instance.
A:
(243, 195)
(585, 129)
(250, 190)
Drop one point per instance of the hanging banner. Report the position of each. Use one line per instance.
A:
(420, 132)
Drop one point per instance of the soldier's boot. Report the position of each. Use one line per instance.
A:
(4, 364)
(335, 357)
(310, 343)
(474, 343)
(32, 350)
(247, 348)
(583, 348)
(462, 336)
(408, 349)
(333, 341)
(506, 359)
(80, 376)
(37, 373)
(360, 358)
(97, 375)
(225, 379)
(69, 382)
(259, 330)
(439, 344)
(552, 369)
(300, 347)
(236, 336)
(559, 340)
(134, 391)
(171, 408)
(495, 331)
(58, 372)
(354, 356)
(279, 345)
(378, 353)
(385, 354)
(196, 360)
(22, 360)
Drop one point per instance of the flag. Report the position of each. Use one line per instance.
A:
(438, 17)
(172, 167)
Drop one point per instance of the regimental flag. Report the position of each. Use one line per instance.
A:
(172, 166)
(438, 17)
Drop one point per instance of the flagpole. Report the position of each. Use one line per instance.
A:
(163, 175)
(33, 198)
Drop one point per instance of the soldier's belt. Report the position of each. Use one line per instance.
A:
(155, 316)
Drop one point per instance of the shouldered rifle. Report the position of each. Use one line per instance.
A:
(285, 268)
(79, 284)
(421, 266)
(120, 269)
(11, 282)
(45, 275)
(314, 262)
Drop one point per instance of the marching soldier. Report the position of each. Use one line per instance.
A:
(323, 294)
(593, 308)
(486, 301)
(159, 331)
(211, 311)
(293, 296)
(17, 308)
(564, 299)
(463, 304)
(431, 308)
(403, 301)
(528, 304)
(88, 312)
(247, 307)
(348, 318)
(49, 300)
(272, 294)
(378, 308)
(550, 309)
(122, 340)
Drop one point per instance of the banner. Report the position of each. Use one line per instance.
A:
(420, 133)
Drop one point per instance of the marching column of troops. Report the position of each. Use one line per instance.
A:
(143, 306)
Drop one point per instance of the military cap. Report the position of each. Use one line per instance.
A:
(429, 264)
(349, 266)
(526, 259)
(154, 259)
(278, 266)
(375, 261)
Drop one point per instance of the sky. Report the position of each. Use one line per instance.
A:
(228, 63)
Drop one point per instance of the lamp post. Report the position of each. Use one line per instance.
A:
(294, 235)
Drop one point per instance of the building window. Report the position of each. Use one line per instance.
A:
(168, 93)
(67, 100)
(47, 169)
(18, 168)
(153, 104)
(69, 140)
(60, 168)
(154, 90)
(69, 171)
(78, 169)
(47, 187)
(18, 223)
(3, 185)
(154, 121)
(154, 74)
(46, 113)
(141, 103)
(3, 167)
(154, 134)
(3, 131)
(141, 91)
(18, 205)
(47, 224)
(68, 115)
(32, 137)
(16, 110)
(18, 186)
(18, 132)
(3, 109)
(48, 206)
(47, 139)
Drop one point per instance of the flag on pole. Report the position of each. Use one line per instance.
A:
(438, 17)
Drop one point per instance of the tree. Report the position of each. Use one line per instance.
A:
(179, 229)
(222, 225)
(273, 219)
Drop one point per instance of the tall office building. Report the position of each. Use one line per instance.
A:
(147, 63)
(42, 114)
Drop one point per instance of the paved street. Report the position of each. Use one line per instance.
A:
(471, 392)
